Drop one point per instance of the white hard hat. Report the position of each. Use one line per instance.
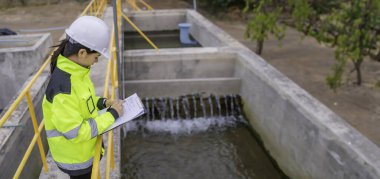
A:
(92, 33)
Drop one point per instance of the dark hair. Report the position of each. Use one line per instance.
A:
(66, 48)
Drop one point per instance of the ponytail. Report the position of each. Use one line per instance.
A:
(67, 47)
(56, 53)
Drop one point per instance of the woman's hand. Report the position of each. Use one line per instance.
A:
(118, 106)
(110, 102)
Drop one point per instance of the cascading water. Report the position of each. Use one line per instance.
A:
(211, 105)
(193, 136)
(160, 114)
(195, 105)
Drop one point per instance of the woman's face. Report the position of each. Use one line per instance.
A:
(87, 59)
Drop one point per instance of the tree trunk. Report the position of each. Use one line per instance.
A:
(357, 65)
(259, 46)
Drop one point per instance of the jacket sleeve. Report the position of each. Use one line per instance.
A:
(100, 102)
(70, 123)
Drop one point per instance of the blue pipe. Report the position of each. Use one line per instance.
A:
(184, 34)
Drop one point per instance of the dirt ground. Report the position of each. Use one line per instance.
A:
(305, 61)
(40, 17)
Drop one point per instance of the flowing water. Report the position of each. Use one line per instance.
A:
(193, 137)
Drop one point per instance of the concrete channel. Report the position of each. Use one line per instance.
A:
(20, 57)
(306, 139)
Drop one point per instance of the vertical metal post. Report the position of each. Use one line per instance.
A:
(195, 5)
(95, 167)
(119, 60)
(36, 132)
(121, 42)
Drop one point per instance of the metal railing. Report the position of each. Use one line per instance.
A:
(133, 4)
(110, 159)
(135, 7)
(37, 130)
(138, 30)
(146, 5)
(112, 72)
(111, 68)
(95, 8)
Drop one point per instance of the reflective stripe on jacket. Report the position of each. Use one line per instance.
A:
(70, 109)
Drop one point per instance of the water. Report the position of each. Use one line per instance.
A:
(193, 145)
(162, 39)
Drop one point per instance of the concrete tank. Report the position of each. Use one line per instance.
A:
(20, 57)
(306, 138)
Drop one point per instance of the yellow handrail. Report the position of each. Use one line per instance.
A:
(146, 4)
(22, 94)
(139, 31)
(110, 153)
(134, 5)
(96, 6)
(35, 126)
(112, 70)
(88, 8)
(99, 13)
(95, 168)
(29, 151)
(26, 92)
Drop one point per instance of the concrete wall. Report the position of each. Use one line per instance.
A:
(155, 20)
(185, 64)
(306, 138)
(17, 133)
(20, 60)
(169, 19)
(193, 70)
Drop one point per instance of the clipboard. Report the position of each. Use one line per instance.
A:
(133, 108)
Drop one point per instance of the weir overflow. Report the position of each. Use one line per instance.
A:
(194, 136)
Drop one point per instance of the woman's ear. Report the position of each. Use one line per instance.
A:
(82, 53)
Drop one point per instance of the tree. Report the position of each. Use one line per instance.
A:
(303, 15)
(264, 22)
(353, 30)
(351, 27)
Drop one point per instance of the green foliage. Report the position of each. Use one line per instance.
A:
(264, 21)
(351, 27)
(301, 13)
(334, 81)
(324, 6)
(353, 30)
(377, 85)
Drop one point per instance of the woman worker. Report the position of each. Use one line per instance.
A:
(70, 106)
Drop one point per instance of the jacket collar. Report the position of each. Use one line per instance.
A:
(71, 67)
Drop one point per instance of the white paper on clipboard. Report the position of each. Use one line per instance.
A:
(133, 108)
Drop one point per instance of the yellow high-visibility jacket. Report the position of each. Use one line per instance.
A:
(70, 109)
